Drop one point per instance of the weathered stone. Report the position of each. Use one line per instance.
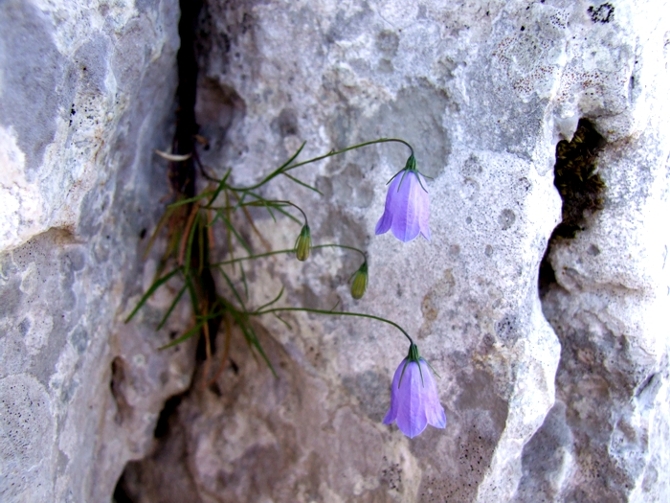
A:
(558, 398)
(86, 93)
(334, 76)
(483, 92)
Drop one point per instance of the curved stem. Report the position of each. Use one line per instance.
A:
(288, 203)
(353, 147)
(288, 250)
(337, 313)
(260, 203)
(288, 166)
(352, 248)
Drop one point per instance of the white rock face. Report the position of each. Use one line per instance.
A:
(484, 91)
(86, 93)
(563, 398)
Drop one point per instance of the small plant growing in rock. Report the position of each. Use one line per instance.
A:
(214, 278)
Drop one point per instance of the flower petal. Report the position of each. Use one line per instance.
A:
(407, 207)
(384, 223)
(411, 415)
(393, 408)
(434, 410)
(422, 201)
(436, 416)
(415, 402)
(405, 225)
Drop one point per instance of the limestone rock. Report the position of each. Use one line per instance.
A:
(484, 91)
(86, 94)
(561, 396)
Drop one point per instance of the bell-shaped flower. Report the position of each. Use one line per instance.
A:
(414, 399)
(407, 208)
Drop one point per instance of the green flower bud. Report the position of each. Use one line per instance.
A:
(303, 244)
(360, 282)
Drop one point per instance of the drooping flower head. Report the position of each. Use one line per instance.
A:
(303, 244)
(407, 208)
(360, 281)
(414, 399)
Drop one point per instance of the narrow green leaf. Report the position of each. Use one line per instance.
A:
(288, 325)
(193, 199)
(300, 182)
(217, 214)
(240, 202)
(284, 166)
(269, 208)
(281, 292)
(237, 235)
(190, 333)
(189, 245)
(243, 277)
(155, 285)
(277, 207)
(294, 156)
(192, 293)
(220, 187)
(252, 340)
(171, 308)
(233, 289)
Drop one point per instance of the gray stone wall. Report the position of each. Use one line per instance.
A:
(86, 93)
(552, 394)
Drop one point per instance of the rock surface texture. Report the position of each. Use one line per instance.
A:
(552, 393)
(86, 92)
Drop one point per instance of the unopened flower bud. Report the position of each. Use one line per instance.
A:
(303, 244)
(360, 281)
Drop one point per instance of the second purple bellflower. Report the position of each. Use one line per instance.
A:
(407, 208)
(415, 402)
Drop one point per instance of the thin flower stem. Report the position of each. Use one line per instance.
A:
(353, 147)
(288, 250)
(260, 203)
(284, 203)
(288, 166)
(336, 313)
(352, 248)
(252, 224)
(252, 257)
(269, 177)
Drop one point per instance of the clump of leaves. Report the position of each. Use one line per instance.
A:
(204, 233)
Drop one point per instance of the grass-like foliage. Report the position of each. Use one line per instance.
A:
(208, 255)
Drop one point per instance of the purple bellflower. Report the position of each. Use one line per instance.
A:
(407, 207)
(414, 399)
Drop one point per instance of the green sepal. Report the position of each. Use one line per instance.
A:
(412, 356)
(303, 244)
(411, 163)
(360, 281)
